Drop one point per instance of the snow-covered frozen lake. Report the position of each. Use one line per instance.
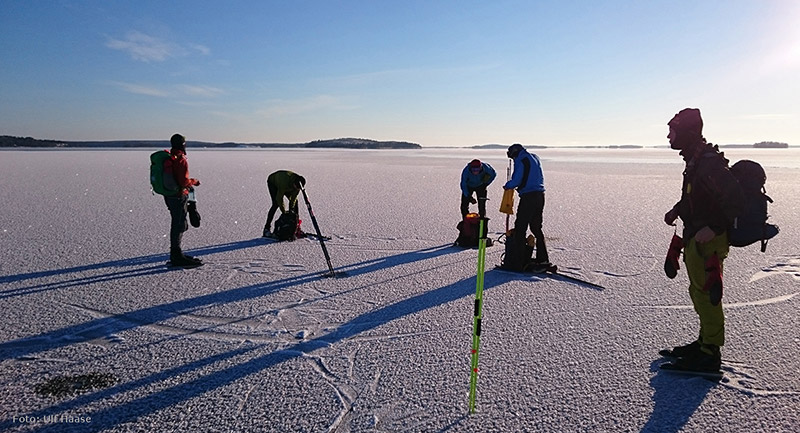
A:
(257, 340)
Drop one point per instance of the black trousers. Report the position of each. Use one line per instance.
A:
(481, 193)
(529, 214)
(177, 210)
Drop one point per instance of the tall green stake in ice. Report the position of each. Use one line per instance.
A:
(476, 327)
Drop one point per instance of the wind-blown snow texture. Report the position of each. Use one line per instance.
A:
(256, 340)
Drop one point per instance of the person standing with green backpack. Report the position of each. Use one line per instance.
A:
(178, 203)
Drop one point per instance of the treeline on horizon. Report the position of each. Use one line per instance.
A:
(345, 143)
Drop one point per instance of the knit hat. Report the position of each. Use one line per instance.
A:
(178, 142)
(475, 164)
(687, 120)
(688, 128)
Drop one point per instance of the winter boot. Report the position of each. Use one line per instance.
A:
(539, 266)
(192, 258)
(681, 351)
(706, 360)
(177, 258)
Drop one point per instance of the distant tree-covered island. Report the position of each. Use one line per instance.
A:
(344, 143)
(771, 145)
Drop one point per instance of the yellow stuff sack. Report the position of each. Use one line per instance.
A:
(507, 204)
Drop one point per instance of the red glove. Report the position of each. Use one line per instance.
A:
(671, 265)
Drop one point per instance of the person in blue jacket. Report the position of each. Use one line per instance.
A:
(528, 180)
(475, 177)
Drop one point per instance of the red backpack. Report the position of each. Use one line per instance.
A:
(468, 231)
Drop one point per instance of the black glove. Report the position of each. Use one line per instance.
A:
(194, 216)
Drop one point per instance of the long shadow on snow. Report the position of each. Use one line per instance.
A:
(111, 276)
(675, 400)
(372, 265)
(101, 327)
(160, 259)
(143, 406)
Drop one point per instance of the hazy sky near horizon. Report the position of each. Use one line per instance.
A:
(438, 73)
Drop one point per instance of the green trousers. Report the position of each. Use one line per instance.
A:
(712, 319)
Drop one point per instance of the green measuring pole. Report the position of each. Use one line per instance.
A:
(476, 326)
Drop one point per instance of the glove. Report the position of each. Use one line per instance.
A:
(671, 216)
(713, 280)
(671, 265)
(194, 216)
(472, 200)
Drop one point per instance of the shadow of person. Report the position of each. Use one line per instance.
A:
(231, 367)
(157, 313)
(151, 259)
(675, 399)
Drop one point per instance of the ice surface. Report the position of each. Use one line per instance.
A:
(258, 340)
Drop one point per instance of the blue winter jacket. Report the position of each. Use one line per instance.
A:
(527, 176)
(472, 181)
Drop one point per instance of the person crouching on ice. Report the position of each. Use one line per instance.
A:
(475, 177)
(282, 183)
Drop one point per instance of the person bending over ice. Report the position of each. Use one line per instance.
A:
(282, 183)
(475, 177)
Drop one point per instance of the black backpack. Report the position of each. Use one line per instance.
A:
(751, 225)
(287, 226)
(518, 254)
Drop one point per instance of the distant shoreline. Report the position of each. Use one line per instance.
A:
(338, 143)
(7, 141)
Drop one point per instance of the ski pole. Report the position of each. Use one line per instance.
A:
(476, 326)
(319, 234)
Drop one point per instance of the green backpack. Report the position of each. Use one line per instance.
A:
(161, 180)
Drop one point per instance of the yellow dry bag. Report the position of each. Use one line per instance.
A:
(507, 204)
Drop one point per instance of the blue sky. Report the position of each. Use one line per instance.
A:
(438, 73)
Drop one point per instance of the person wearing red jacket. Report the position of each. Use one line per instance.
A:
(178, 204)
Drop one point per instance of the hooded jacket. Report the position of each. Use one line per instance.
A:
(472, 181)
(527, 176)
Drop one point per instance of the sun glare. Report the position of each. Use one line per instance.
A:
(784, 53)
